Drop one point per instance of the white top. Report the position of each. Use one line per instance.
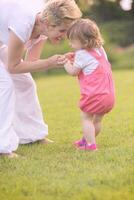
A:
(18, 16)
(85, 61)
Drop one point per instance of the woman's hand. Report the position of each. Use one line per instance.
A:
(62, 60)
(57, 61)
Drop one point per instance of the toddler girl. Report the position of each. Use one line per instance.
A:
(95, 78)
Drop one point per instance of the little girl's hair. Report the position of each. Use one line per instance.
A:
(60, 11)
(87, 32)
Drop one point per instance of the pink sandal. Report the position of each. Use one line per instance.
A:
(81, 142)
(88, 147)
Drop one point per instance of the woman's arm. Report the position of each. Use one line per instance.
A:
(15, 54)
(34, 52)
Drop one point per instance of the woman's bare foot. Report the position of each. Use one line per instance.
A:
(46, 141)
(9, 155)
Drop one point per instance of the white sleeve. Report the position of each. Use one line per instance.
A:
(85, 61)
(78, 60)
(21, 24)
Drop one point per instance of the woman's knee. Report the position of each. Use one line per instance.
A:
(6, 83)
(30, 84)
(24, 82)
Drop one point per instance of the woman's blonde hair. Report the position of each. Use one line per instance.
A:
(87, 32)
(60, 11)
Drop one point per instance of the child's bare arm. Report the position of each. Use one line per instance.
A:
(67, 60)
(72, 70)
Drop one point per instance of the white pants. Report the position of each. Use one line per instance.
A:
(21, 119)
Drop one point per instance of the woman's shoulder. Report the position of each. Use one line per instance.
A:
(25, 8)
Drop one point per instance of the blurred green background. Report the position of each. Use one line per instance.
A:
(117, 28)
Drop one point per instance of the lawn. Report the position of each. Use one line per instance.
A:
(60, 172)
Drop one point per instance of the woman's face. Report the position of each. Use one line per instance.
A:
(54, 33)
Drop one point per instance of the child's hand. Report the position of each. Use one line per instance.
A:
(70, 56)
(57, 61)
(62, 60)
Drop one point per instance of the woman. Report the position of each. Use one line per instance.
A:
(25, 25)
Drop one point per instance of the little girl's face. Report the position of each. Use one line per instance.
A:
(76, 44)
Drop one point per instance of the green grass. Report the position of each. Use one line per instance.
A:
(60, 172)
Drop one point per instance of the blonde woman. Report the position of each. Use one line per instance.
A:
(27, 25)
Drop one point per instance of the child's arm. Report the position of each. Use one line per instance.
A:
(67, 60)
(72, 70)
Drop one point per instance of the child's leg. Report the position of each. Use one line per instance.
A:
(97, 123)
(88, 127)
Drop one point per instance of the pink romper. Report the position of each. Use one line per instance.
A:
(97, 88)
